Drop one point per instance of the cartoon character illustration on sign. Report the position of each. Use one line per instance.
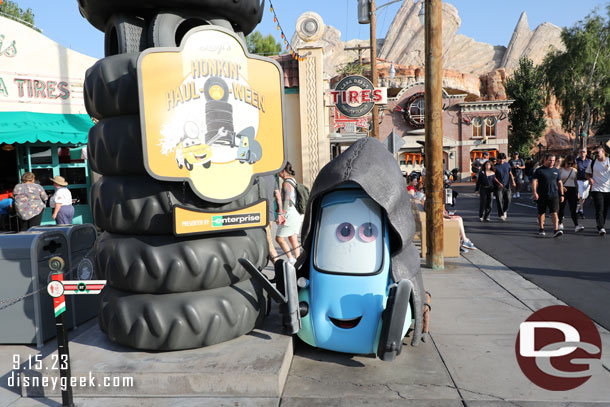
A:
(359, 285)
(191, 151)
(249, 150)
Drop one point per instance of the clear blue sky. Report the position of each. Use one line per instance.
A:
(491, 21)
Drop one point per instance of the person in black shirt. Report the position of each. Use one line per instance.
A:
(582, 162)
(504, 180)
(547, 190)
(486, 183)
(517, 165)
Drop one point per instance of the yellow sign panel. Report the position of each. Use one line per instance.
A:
(188, 221)
(211, 114)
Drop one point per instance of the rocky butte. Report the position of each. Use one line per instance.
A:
(477, 68)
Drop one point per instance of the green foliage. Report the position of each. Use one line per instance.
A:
(10, 9)
(257, 44)
(526, 113)
(352, 68)
(579, 76)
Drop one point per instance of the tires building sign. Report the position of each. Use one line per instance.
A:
(355, 96)
(211, 114)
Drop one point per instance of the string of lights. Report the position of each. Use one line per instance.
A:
(294, 54)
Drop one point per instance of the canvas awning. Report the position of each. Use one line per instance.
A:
(29, 127)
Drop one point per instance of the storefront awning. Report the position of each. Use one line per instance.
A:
(29, 127)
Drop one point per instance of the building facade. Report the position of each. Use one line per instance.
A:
(43, 121)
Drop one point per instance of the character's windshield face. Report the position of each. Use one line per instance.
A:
(349, 238)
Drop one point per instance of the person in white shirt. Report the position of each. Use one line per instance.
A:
(61, 202)
(598, 174)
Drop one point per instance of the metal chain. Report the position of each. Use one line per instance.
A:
(283, 253)
(11, 301)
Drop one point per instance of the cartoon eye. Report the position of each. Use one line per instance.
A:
(367, 232)
(345, 232)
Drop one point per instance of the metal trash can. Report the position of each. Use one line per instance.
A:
(80, 265)
(24, 269)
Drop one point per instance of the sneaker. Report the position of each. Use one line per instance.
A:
(503, 217)
(481, 219)
(292, 260)
(578, 228)
(487, 220)
(558, 233)
(541, 232)
(518, 194)
(463, 250)
(514, 196)
(468, 245)
(561, 226)
(602, 232)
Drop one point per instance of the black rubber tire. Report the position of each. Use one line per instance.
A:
(243, 14)
(166, 264)
(141, 205)
(111, 87)
(124, 35)
(115, 146)
(168, 28)
(182, 320)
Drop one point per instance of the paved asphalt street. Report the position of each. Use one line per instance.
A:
(574, 267)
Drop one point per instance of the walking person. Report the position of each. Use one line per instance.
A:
(61, 202)
(598, 174)
(274, 200)
(547, 191)
(582, 163)
(30, 201)
(504, 180)
(486, 183)
(570, 190)
(289, 219)
(517, 165)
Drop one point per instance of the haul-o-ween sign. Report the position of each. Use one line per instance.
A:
(211, 114)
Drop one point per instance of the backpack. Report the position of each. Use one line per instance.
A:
(302, 195)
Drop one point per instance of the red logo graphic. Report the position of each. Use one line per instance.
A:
(558, 348)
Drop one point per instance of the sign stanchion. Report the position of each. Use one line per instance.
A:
(58, 289)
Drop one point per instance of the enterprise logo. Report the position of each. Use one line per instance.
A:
(241, 219)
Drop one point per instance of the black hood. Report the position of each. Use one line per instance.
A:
(369, 164)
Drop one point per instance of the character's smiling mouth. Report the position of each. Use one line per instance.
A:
(200, 157)
(345, 323)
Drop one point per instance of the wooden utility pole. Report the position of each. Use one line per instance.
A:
(374, 76)
(435, 201)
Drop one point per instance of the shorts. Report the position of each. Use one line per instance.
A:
(551, 203)
(583, 189)
(292, 225)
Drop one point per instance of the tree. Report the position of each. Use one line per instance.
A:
(257, 44)
(579, 76)
(526, 113)
(10, 9)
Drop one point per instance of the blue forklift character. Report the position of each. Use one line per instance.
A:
(359, 284)
(350, 302)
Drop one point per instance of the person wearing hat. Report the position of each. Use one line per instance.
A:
(61, 202)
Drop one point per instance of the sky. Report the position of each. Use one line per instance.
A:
(491, 21)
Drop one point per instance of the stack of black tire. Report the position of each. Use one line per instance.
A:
(163, 292)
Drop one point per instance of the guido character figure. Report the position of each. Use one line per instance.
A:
(360, 282)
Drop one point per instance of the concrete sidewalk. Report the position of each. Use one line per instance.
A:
(469, 359)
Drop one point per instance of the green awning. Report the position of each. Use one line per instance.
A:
(29, 127)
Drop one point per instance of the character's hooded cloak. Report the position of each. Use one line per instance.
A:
(369, 164)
